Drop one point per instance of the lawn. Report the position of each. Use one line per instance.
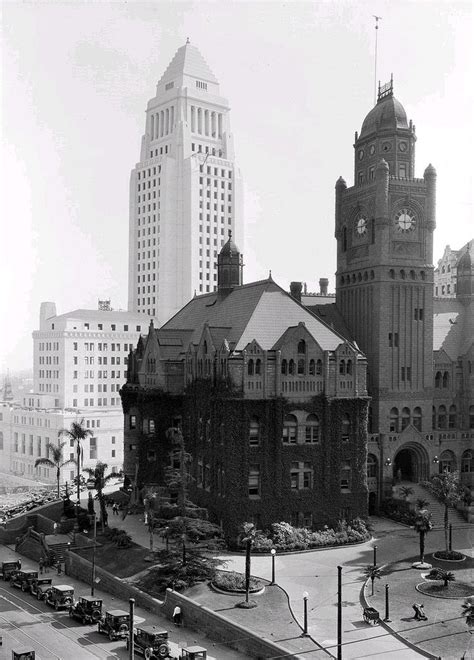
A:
(121, 562)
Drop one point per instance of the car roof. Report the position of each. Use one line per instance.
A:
(117, 613)
(152, 630)
(194, 649)
(90, 599)
(63, 587)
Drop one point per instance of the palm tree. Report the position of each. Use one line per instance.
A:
(406, 491)
(468, 611)
(249, 531)
(55, 459)
(77, 433)
(447, 489)
(421, 503)
(97, 473)
(371, 572)
(422, 525)
(444, 575)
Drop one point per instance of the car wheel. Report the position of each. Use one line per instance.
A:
(23, 587)
(163, 651)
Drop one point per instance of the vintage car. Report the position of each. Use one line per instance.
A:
(7, 568)
(115, 624)
(39, 586)
(22, 579)
(60, 596)
(23, 654)
(194, 653)
(87, 609)
(150, 642)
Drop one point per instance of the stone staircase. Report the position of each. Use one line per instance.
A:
(57, 547)
(434, 506)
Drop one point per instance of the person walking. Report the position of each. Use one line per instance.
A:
(115, 509)
(177, 616)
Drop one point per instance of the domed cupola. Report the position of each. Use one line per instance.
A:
(229, 266)
(465, 277)
(386, 133)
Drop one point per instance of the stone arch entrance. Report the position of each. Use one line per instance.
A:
(411, 463)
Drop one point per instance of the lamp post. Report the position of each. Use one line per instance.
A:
(339, 613)
(387, 613)
(273, 553)
(131, 649)
(93, 555)
(183, 538)
(305, 613)
(375, 555)
(167, 531)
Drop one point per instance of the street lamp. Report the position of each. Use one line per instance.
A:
(183, 538)
(375, 555)
(305, 612)
(93, 555)
(273, 553)
(167, 531)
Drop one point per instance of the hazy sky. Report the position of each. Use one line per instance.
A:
(76, 77)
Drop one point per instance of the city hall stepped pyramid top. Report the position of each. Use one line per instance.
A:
(188, 61)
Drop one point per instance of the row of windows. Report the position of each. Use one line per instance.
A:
(205, 149)
(149, 172)
(206, 122)
(399, 422)
(300, 478)
(49, 346)
(448, 462)
(161, 123)
(442, 418)
(445, 289)
(442, 380)
(48, 359)
(160, 151)
(100, 374)
(101, 347)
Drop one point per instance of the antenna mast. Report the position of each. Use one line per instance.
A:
(377, 19)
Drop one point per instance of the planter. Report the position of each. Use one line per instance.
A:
(456, 556)
(421, 565)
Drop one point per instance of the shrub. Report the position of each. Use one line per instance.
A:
(233, 581)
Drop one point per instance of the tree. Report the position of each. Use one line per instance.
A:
(406, 491)
(248, 537)
(442, 574)
(468, 611)
(97, 473)
(77, 433)
(371, 572)
(422, 525)
(421, 503)
(56, 459)
(447, 489)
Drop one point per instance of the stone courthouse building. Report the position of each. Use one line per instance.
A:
(309, 414)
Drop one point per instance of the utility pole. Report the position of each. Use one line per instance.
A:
(339, 613)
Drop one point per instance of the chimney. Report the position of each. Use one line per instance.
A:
(323, 286)
(295, 290)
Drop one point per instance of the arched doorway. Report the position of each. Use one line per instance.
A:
(411, 463)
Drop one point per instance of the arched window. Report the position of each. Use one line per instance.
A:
(471, 417)
(291, 367)
(250, 368)
(394, 420)
(258, 367)
(205, 347)
(417, 418)
(290, 430)
(443, 269)
(284, 367)
(312, 429)
(371, 466)
(438, 379)
(433, 417)
(345, 427)
(342, 367)
(391, 274)
(254, 432)
(312, 367)
(370, 420)
(319, 367)
(301, 366)
(344, 239)
(445, 379)
(405, 417)
(345, 477)
(467, 461)
(402, 274)
(447, 462)
(349, 367)
(452, 417)
(449, 268)
(302, 346)
(442, 417)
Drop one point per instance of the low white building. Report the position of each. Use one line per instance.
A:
(79, 366)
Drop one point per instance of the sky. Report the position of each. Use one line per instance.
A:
(76, 78)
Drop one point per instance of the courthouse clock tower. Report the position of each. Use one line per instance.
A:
(384, 285)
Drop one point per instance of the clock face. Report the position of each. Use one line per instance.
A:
(386, 146)
(372, 149)
(361, 154)
(361, 225)
(405, 220)
(402, 146)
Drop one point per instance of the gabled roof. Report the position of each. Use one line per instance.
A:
(261, 310)
(453, 327)
(188, 61)
(333, 318)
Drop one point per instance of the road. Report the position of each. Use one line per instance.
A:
(26, 622)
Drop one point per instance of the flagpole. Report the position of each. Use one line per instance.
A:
(377, 19)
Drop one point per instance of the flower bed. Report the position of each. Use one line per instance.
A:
(437, 590)
(450, 555)
(234, 582)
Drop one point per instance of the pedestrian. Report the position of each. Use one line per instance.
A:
(59, 568)
(41, 565)
(419, 612)
(177, 616)
(55, 527)
(115, 510)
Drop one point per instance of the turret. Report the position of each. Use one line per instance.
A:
(430, 179)
(229, 267)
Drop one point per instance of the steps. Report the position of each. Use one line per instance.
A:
(434, 506)
(57, 546)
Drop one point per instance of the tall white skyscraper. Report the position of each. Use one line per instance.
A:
(186, 191)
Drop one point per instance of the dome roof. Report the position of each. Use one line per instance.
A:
(229, 248)
(388, 114)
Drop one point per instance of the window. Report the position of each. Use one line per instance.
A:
(438, 378)
(93, 448)
(467, 461)
(416, 421)
(471, 417)
(291, 367)
(405, 418)
(446, 379)
(442, 417)
(301, 366)
(151, 426)
(290, 430)
(250, 368)
(312, 429)
(312, 368)
(254, 481)
(301, 476)
(133, 422)
(302, 347)
(345, 427)
(342, 367)
(447, 462)
(371, 466)
(319, 368)
(254, 432)
(452, 417)
(284, 367)
(394, 420)
(345, 477)
(258, 367)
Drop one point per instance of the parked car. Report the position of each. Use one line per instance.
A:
(151, 642)
(39, 586)
(87, 609)
(115, 624)
(23, 654)
(22, 579)
(60, 596)
(194, 653)
(7, 568)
